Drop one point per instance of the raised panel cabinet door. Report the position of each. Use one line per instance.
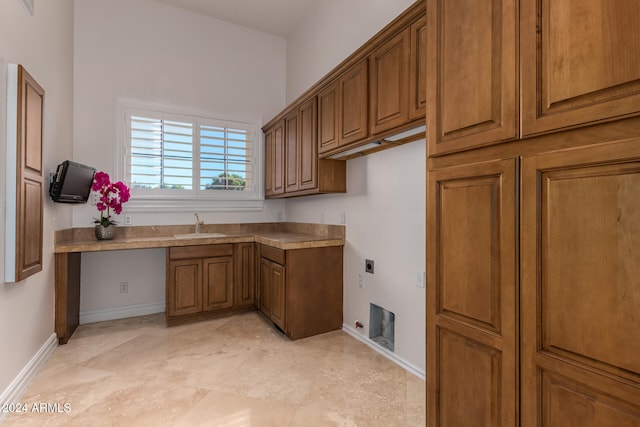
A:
(389, 84)
(580, 62)
(580, 294)
(472, 74)
(353, 104)
(307, 129)
(217, 283)
(472, 291)
(184, 287)
(278, 161)
(268, 162)
(245, 274)
(29, 180)
(265, 287)
(292, 152)
(418, 70)
(328, 120)
(278, 294)
(274, 143)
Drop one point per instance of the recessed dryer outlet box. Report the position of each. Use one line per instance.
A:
(368, 266)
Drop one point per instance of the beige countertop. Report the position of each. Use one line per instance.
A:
(282, 235)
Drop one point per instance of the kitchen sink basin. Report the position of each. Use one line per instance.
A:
(198, 235)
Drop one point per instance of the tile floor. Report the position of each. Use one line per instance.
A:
(236, 371)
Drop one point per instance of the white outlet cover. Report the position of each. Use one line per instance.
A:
(421, 279)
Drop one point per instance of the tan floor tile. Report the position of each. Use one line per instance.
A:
(230, 410)
(236, 371)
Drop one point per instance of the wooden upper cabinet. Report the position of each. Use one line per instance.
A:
(307, 131)
(472, 73)
(397, 68)
(343, 114)
(378, 92)
(328, 118)
(268, 162)
(275, 159)
(292, 152)
(302, 148)
(390, 76)
(418, 70)
(343, 107)
(580, 295)
(472, 291)
(296, 170)
(580, 62)
(353, 91)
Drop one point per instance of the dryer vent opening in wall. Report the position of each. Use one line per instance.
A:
(382, 326)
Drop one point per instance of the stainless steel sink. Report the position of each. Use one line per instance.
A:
(198, 235)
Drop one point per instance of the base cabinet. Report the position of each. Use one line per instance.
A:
(272, 276)
(245, 275)
(184, 287)
(199, 279)
(301, 289)
(217, 283)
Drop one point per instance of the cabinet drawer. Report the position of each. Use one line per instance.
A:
(200, 251)
(273, 254)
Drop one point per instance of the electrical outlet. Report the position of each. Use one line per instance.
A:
(343, 217)
(368, 266)
(127, 220)
(124, 287)
(95, 198)
(360, 281)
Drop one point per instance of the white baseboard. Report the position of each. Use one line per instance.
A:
(19, 385)
(121, 312)
(386, 353)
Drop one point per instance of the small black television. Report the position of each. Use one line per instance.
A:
(72, 183)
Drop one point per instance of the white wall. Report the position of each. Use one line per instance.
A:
(385, 200)
(43, 43)
(333, 30)
(150, 51)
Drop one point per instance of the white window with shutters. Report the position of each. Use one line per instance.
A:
(183, 160)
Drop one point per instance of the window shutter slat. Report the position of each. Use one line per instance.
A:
(161, 153)
(225, 161)
(162, 150)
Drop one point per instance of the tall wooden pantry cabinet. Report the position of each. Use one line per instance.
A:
(533, 213)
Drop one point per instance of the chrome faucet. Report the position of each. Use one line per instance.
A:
(199, 222)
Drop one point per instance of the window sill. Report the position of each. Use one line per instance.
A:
(191, 205)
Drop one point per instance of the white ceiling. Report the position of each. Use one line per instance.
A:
(270, 16)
